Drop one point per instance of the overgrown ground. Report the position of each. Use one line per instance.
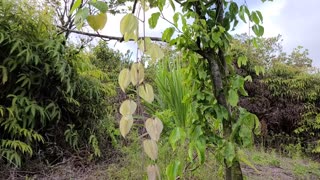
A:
(270, 165)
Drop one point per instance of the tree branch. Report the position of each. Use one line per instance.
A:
(117, 38)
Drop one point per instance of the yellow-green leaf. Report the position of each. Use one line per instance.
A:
(125, 125)
(153, 172)
(154, 128)
(128, 26)
(141, 45)
(128, 107)
(137, 73)
(97, 22)
(146, 92)
(151, 148)
(124, 79)
(155, 52)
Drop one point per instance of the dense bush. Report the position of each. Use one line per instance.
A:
(286, 98)
(51, 96)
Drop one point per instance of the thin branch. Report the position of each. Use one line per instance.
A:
(164, 18)
(117, 38)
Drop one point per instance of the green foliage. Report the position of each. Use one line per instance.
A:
(47, 89)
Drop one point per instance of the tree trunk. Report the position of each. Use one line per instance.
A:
(218, 73)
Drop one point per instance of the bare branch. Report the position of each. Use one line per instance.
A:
(104, 36)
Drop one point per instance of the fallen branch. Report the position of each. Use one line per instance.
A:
(104, 36)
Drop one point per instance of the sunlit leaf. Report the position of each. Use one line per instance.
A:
(146, 92)
(124, 79)
(76, 5)
(128, 107)
(154, 128)
(153, 20)
(137, 73)
(155, 52)
(153, 172)
(80, 16)
(125, 125)
(167, 34)
(151, 148)
(97, 22)
(144, 44)
(128, 26)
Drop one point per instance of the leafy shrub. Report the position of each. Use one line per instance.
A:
(48, 93)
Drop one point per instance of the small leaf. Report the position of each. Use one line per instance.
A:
(97, 22)
(233, 97)
(146, 92)
(128, 107)
(125, 125)
(153, 172)
(124, 79)
(242, 60)
(100, 5)
(151, 148)
(137, 73)
(76, 4)
(154, 128)
(153, 20)
(167, 34)
(255, 17)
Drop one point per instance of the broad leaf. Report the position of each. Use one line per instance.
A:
(97, 22)
(137, 73)
(144, 44)
(124, 79)
(151, 148)
(128, 107)
(146, 92)
(233, 97)
(176, 135)
(153, 20)
(155, 52)
(167, 34)
(125, 125)
(229, 153)
(174, 170)
(154, 128)
(128, 26)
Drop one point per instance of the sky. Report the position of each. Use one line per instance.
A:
(297, 21)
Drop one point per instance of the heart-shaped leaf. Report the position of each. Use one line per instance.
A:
(153, 172)
(125, 125)
(137, 73)
(128, 26)
(124, 79)
(128, 107)
(154, 128)
(97, 22)
(151, 148)
(146, 92)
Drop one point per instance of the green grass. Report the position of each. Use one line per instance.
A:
(270, 165)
